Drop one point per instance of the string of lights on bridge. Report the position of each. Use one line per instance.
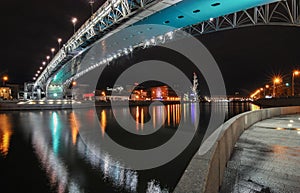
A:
(74, 21)
(159, 40)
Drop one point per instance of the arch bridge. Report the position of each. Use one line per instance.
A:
(115, 16)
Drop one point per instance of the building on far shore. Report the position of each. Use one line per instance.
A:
(5, 93)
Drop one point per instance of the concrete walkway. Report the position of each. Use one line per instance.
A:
(266, 158)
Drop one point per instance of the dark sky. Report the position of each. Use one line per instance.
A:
(248, 57)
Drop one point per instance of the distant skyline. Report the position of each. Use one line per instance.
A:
(247, 57)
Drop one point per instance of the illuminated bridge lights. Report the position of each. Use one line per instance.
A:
(215, 4)
(191, 13)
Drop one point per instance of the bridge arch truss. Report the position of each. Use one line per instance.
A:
(116, 15)
(282, 13)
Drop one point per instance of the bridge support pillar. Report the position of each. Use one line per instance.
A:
(55, 92)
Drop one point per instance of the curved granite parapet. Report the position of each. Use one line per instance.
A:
(205, 172)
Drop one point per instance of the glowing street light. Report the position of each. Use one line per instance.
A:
(74, 21)
(48, 58)
(276, 80)
(59, 40)
(266, 87)
(44, 63)
(52, 51)
(4, 79)
(295, 73)
(91, 2)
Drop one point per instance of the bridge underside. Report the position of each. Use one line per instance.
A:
(190, 16)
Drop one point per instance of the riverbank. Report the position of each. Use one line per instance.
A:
(16, 105)
(277, 102)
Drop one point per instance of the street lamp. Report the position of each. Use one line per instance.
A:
(295, 73)
(74, 21)
(59, 40)
(52, 51)
(48, 58)
(276, 80)
(91, 2)
(4, 79)
(266, 87)
(44, 63)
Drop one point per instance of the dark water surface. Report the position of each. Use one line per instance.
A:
(42, 151)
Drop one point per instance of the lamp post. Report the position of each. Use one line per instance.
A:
(48, 58)
(266, 87)
(52, 51)
(91, 2)
(59, 40)
(276, 80)
(295, 73)
(4, 79)
(262, 93)
(74, 21)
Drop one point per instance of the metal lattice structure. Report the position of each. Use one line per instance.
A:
(285, 13)
(116, 15)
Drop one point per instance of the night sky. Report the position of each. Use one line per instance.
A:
(247, 57)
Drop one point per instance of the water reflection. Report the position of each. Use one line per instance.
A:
(169, 115)
(73, 165)
(103, 121)
(56, 132)
(5, 134)
(254, 107)
(68, 148)
(74, 127)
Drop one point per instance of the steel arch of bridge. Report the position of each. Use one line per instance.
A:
(116, 15)
(108, 17)
(284, 13)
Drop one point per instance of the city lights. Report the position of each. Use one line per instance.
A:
(295, 73)
(276, 80)
(4, 79)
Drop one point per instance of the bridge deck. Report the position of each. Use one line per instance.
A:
(266, 158)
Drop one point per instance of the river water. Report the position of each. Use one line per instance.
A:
(43, 151)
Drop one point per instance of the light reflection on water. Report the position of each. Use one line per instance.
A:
(103, 121)
(74, 127)
(71, 165)
(5, 134)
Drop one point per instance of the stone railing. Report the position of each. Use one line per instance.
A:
(205, 172)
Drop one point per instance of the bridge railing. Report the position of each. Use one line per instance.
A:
(283, 12)
(109, 14)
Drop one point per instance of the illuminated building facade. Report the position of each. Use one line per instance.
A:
(5, 93)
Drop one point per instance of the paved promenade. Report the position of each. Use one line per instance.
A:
(266, 158)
